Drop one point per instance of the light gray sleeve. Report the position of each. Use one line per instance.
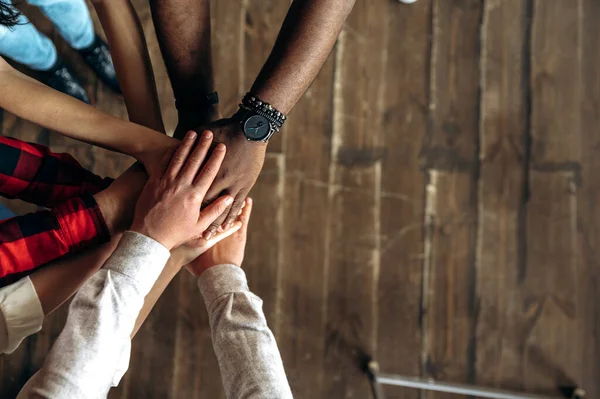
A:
(249, 360)
(83, 361)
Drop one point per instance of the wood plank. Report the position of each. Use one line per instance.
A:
(555, 92)
(300, 323)
(352, 259)
(264, 247)
(451, 201)
(448, 338)
(551, 308)
(551, 340)
(504, 158)
(402, 190)
(588, 198)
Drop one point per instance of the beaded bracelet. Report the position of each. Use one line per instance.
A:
(251, 102)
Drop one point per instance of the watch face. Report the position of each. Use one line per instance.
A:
(257, 127)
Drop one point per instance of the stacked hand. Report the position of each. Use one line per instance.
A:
(226, 247)
(239, 169)
(168, 209)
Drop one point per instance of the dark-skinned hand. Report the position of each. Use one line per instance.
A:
(239, 171)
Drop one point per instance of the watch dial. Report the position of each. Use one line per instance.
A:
(257, 127)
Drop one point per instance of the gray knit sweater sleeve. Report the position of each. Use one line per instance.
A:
(83, 361)
(250, 363)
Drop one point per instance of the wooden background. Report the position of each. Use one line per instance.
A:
(431, 203)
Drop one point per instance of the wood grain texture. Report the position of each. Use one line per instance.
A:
(504, 156)
(353, 232)
(451, 201)
(551, 306)
(300, 323)
(588, 220)
(431, 203)
(404, 104)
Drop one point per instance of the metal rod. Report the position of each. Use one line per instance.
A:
(462, 389)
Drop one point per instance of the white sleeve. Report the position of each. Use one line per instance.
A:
(84, 361)
(21, 314)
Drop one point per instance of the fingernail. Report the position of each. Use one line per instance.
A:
(228, 225)
(191, 135)
(220, 147)
(207, 235)
(208, 135)
(229, 200)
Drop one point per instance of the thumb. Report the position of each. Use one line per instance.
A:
(209, 214)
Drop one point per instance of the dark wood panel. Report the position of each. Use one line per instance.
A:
(550, 307)
(405, 104)
(451, 201)
(502, 193)
(555, 54)
(353, 232)
(588, 199)
(300, 324)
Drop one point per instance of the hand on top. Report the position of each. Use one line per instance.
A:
(168, 209)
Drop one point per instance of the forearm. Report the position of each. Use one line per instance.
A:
(83, 360)
(307, 36)
(171, 269)
(132, 62)
(34, 174)
(183, 32)
(51, 109)
(241, 338)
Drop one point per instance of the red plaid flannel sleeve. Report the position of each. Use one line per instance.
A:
(33, 173)
(31, 240)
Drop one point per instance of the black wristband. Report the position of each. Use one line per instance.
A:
(205, 101)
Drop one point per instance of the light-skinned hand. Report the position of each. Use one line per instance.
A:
(168, 209)
(227, 251)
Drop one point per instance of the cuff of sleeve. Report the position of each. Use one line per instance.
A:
(140, 258)
(21, 312)
(220, 280)
(81, 222)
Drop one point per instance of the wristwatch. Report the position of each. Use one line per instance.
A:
(259, 120)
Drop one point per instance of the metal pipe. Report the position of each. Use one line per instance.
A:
(462, 389)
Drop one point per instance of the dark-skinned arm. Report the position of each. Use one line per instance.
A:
(307, 36)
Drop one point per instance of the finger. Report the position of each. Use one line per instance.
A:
(180, 155)
(216, 225)
(193, 163)
(221, 236)
(210, 169)
(245, 217)
(235, 210)
(212, 212)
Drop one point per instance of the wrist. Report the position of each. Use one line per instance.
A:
(146, 149)
(142, 228)
(109, 210)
